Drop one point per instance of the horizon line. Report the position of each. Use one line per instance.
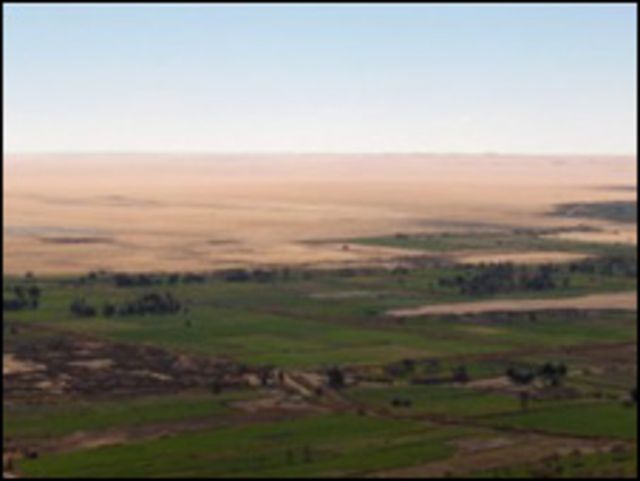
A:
(317, 152)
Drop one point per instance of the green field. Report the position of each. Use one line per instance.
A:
(306, 320)
(587, 419)
(55, 420)
(498, 241)
(285, 323)
(317, 446)
(456, 401)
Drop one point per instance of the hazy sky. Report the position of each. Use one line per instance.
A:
(379, 78)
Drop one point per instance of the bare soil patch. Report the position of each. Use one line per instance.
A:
(609, 236)
(65, 364)
(534, 257)
(618, 300)
(489, 453)
(12, 366)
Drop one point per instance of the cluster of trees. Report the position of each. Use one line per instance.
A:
(432, 367)
(25, 297)
(552, 374)
(137, 280)
(90, 277)
(488, 279)
(401, 368)
(401, 403)
(613, 265)
(151, 303)
(460, 374)
(286, 273)
(145, 280)
(501, 277)
(504, 277)
(80, 308)
(256, 275)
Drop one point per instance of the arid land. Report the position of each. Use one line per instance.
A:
(76, 213)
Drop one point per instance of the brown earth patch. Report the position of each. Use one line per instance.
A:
(618, 300)
(534, 257)
(67, 364)
(490, 453)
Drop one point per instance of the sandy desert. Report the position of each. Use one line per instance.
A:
(73, 213)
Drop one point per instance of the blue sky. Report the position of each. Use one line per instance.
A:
(333, 78)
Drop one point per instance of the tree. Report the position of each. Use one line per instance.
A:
(108, 310)
(13, 304)
(215, 387)
(335, 378)
(264, 374)
(460, 374)
(408, 364)
(236, 275)
(80, 308)
(553, 373)
(33, 291)
(520, 375)
(306, 454)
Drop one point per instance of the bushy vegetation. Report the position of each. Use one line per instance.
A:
(24, 297)
(621, 211)
(550, 373)
(146, 304)
(146, 280)
(504, 277)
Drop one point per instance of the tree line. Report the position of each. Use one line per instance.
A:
(150, 303)
(24, 297)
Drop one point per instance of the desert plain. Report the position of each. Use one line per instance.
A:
(79, 212)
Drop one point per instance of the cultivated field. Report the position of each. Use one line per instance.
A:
(305, 316)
